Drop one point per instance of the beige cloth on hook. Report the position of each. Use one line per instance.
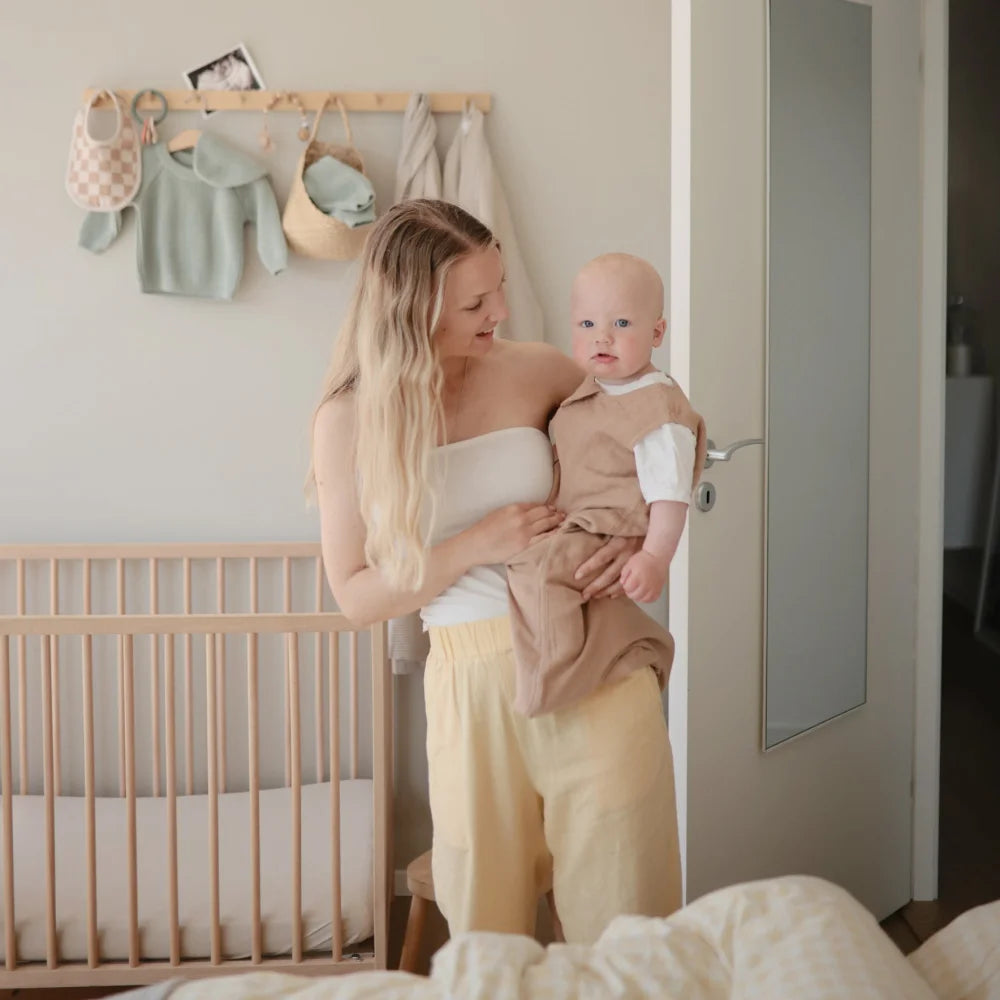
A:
(470, 181)
(418, 169)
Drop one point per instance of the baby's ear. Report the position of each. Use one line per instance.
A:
(658, 331)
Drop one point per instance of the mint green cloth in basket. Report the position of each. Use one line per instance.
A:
(340, 191)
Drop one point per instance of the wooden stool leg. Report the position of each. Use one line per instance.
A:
(413, 939)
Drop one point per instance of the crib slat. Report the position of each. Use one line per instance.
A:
(333, 665)
(381, 780)
(22, 711)
(121, 716)
(93, 957)
(287, 573)
(211, 755)
(171, 748)
(220, 673)
(288, 726)
(188, 716)
(56, 726)
(22, 684)
(389, 702)
(318, 679)
(8, 808)
(188, 688)
(154, 670)
(318, 699)
(93, 946)
(50, 806)
(293, 664)
(120, 567)
(220, 679)
(353, 647)
(254, 736)
(133, 869)
(254, 752)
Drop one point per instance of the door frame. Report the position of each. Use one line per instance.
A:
(930, 502)
(930, 509)
(679, 335)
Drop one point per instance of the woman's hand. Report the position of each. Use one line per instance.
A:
(509, 530)
(600, 575)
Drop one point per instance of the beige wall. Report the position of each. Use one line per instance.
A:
(974, 170)
(128, 417)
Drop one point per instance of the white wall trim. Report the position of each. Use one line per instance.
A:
(930, 510)
(680, 368)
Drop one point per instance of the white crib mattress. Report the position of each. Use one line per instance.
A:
(194, 888)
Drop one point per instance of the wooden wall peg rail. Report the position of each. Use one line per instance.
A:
(292, 100)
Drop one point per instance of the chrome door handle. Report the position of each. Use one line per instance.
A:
(725, 454)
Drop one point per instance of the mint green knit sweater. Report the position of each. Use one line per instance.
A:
(191, 209)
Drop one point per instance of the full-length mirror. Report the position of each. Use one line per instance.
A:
(819, 225)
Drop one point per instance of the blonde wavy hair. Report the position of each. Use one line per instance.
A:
(385, 357)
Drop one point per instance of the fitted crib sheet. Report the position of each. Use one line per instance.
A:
(194, 888)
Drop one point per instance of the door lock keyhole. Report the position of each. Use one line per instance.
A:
(704, 497)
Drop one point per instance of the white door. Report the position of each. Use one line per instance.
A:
(795, 320)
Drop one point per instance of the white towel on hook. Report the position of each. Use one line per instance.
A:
(470, 182)
(418, 170)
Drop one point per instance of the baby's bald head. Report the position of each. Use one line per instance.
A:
(632, 277)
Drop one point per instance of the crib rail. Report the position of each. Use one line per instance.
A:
(49, 578)
(34, 642)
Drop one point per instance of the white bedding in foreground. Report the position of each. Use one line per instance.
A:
(794, 937)
(962, 961)
(193, 871)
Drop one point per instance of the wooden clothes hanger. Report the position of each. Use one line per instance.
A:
(184, 140)
(189, 136)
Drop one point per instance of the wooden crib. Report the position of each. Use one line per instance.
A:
(168, 807)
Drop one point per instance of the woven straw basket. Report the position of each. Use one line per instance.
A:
(308, 230)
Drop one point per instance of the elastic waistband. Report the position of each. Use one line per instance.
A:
(471, 640)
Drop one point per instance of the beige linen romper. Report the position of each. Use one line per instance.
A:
(566, 648)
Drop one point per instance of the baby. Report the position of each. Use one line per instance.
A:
(629, 450)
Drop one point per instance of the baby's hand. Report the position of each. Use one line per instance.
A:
(643, 577)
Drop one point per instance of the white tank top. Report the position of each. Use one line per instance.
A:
(475, 477)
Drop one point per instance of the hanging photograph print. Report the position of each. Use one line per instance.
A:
(233, 70)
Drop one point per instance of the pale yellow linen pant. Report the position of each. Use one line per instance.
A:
(588, 790)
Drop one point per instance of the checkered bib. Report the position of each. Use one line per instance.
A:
(104, 174)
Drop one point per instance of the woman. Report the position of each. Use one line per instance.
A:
(432, 467)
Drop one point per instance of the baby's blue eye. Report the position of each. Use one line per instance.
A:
(586, 323)
(621, 322)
